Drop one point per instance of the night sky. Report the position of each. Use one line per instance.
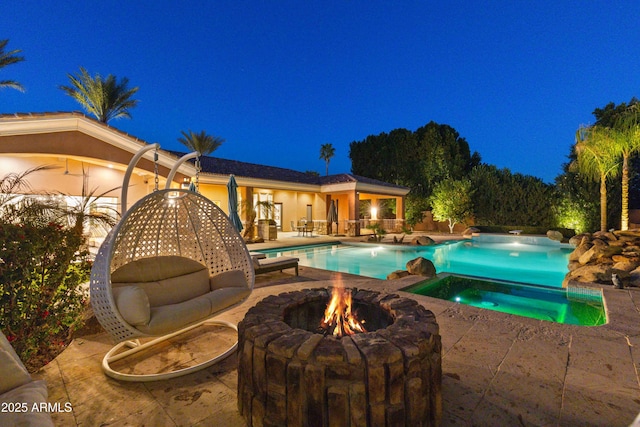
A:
(276, 79)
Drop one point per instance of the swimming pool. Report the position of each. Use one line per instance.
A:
(583, 307)
(509, 260)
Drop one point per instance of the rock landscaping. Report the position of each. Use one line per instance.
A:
(601, 255)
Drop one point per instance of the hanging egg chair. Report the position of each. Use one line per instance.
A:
(172, 263)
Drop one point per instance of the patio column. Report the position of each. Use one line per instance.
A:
(354, 211)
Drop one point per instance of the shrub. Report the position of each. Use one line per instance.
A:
(41, 301)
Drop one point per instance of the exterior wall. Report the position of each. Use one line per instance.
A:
(55, 180)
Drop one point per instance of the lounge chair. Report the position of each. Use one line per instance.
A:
(266, 265)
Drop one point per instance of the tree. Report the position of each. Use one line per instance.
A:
(201, 142)
(326, 153)
(105, 98)
(8, 58)
(451, 201)
(597, 159)
(627, 143)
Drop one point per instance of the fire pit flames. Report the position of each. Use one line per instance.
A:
(339, 319)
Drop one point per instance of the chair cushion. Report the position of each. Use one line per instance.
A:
(228, 279)
(272, 262)
(223, 298)
(154, 269)
(169, 318)
(133, 304)
(30, 393)
(12, 372)
(173, 290)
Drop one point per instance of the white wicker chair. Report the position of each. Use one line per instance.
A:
(168, 223)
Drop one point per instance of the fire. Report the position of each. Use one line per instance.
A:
(338, 315)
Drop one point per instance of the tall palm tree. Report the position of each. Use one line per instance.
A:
(105, 98)
(8, 58)
(598, 160)
(326, 153)
(626, 144)
(201, 142)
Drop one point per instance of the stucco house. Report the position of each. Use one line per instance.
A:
(80, 146)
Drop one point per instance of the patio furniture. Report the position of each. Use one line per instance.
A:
(19, 392)
(295, 227)
(266, 265)
(172, 263)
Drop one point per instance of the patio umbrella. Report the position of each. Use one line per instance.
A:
(232, 188)
(332, 216)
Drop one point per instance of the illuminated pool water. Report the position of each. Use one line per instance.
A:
(556, 305)
(512, 261)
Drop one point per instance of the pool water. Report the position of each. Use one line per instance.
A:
(535, 302)
(510, 261)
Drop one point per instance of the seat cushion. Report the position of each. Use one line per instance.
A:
(169, 318)
(226, 297)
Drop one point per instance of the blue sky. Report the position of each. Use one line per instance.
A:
(276, 79)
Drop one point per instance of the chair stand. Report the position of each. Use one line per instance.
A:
(136, 347)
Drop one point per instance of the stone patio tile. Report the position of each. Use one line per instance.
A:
(148, 415)
(191, 399)
(472, 362)
(635, 355)
(598, 387)
(626, 317)
(536, 364)
(452, 330)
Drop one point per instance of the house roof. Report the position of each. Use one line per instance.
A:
(211, 165)
(216, 165)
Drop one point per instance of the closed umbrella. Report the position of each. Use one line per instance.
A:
(332, 216)
(232, 188)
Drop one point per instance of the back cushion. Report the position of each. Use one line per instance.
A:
(154, 269)
(165, 280)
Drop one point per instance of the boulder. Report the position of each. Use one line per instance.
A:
(398, 274)
(591, 273)
(423, 241)
(605, 235)
(599, 242)
(634, 278)
(421, 267)
(579, 239)
(555, 235)
(579, 251)
(626, 266)
(597, 252)
(468, 233)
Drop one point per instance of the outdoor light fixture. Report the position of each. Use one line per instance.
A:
(374, 212)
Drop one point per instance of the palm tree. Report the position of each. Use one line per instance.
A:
(598, 160)
(105, 98)
(8, 58)
(201, 142)
(626, 144)
(326, 153)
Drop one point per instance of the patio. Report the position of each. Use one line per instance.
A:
(498, 369)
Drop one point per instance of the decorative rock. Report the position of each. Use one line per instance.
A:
(555, 235)
(634, 278)
(578, 239)
(468, 233)
(421, 267)
(423, 241)
(626, 266)
(605, 235)
(579, 251)
(398, 274)
(591, 273)
(599, 242)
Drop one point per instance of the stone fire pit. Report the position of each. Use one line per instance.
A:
(291, 375)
